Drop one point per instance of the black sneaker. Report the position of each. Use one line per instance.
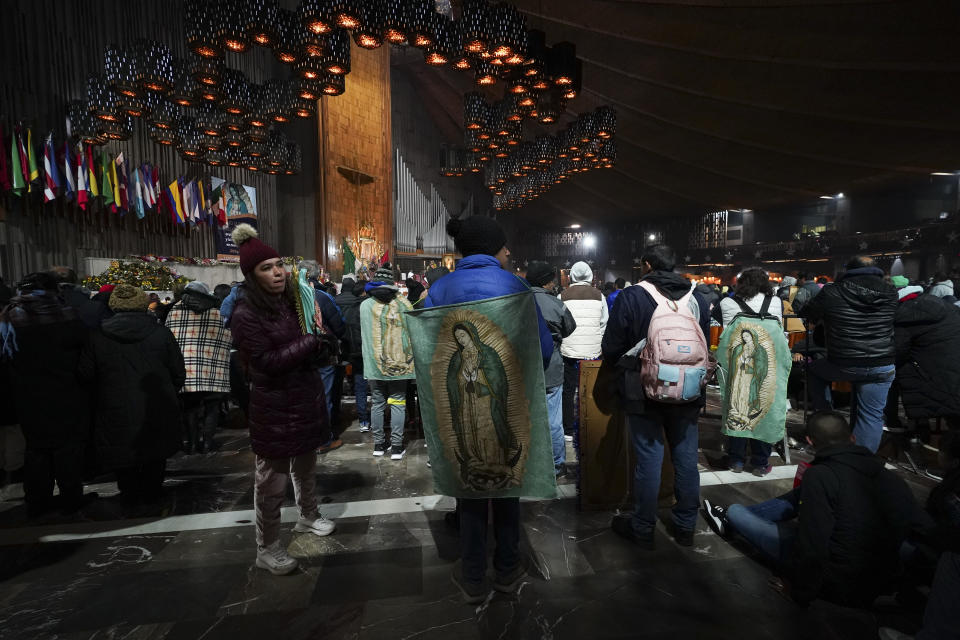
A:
(396, 452)
(509, 582)
(716, 517)
(622, 525)
(684, 537)
(379, 448)
(473, 592)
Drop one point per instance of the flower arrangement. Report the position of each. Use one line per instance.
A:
(149, 276)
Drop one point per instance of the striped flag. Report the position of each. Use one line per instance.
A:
(173, 192)
(69, 182)
(147, 176)
(155, 185)
(195, 202)
(82, 178)
(188, 203)
(52, 180)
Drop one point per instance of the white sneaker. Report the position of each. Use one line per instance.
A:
(276, 560)
(364, 427)
(568, 438)
(318, 526)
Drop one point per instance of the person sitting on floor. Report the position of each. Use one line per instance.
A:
(837, 535)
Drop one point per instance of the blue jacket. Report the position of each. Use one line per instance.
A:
(630, 320)
(478, 277)
(612, 298)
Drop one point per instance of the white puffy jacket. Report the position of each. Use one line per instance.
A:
(589, 309)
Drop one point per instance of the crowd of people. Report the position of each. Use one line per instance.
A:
(136, 381)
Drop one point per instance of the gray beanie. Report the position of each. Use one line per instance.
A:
(198, 287)
(581, 272)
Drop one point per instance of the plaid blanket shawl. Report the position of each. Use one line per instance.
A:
(205, 344)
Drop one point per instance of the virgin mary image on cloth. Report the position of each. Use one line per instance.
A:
(749, 369)
(477, 388)
(480, 383)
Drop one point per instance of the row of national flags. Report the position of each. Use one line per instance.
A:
(76, 172)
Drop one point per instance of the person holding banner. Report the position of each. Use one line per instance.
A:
(482, 406)
(288, 415)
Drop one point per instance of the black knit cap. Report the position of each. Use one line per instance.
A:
(477, 234)
(540, 273)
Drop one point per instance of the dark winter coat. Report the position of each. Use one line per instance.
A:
(352, 345)
(91, 312)
(137, 368)
(52, 402)
(288, 411)
(561, 324)
(630, 320)
(858, 312)
(853, 516)
(927, 331)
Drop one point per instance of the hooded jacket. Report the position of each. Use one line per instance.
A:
(352, 341)
(942, 289)
(288, 409)
(562, 325)
(205, 343)
(858, 312)
(927, 333)
(853, 516)
(137, 368)
(630, 320)
(590, 313)
(387, 352)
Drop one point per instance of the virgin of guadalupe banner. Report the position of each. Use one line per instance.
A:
(482, 398)
(386, 346)
(755, 362)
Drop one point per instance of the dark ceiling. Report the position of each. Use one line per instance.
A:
(744, 103)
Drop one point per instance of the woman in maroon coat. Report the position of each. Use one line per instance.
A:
(288, 417)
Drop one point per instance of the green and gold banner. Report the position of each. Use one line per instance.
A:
(482, 398)
(755, 363)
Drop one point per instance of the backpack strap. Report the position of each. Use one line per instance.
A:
(765, 307)
(743, 306)
(660, 299)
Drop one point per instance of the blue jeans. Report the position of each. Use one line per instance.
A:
(473, 536)
(679, 423)
(394, 393)
(360, 389)
(327, 374)
(762, 525)
(555, 416)
(759, 451)
(870, 388)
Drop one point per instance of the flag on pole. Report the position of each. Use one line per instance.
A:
(92, 185)
(69, 182)
(195, 201)
(24, 169)
(385, 258)
(149, 201)
(155, 185)
(4, 170)
(138, 193)
(106, 187)
(115, 185)
(32, 162)
(16, 170)
(173, 192)
(82, 178)
(186, 202)
(349, 260)
(52, 179)
(122, 184)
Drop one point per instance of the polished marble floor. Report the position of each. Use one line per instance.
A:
(184, 569)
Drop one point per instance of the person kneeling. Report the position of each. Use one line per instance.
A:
(837, 535)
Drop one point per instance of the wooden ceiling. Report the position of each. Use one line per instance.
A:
(745, 103)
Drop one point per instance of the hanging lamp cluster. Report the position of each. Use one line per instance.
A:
(535, 166)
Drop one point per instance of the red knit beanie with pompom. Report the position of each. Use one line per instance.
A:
(253, 251)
